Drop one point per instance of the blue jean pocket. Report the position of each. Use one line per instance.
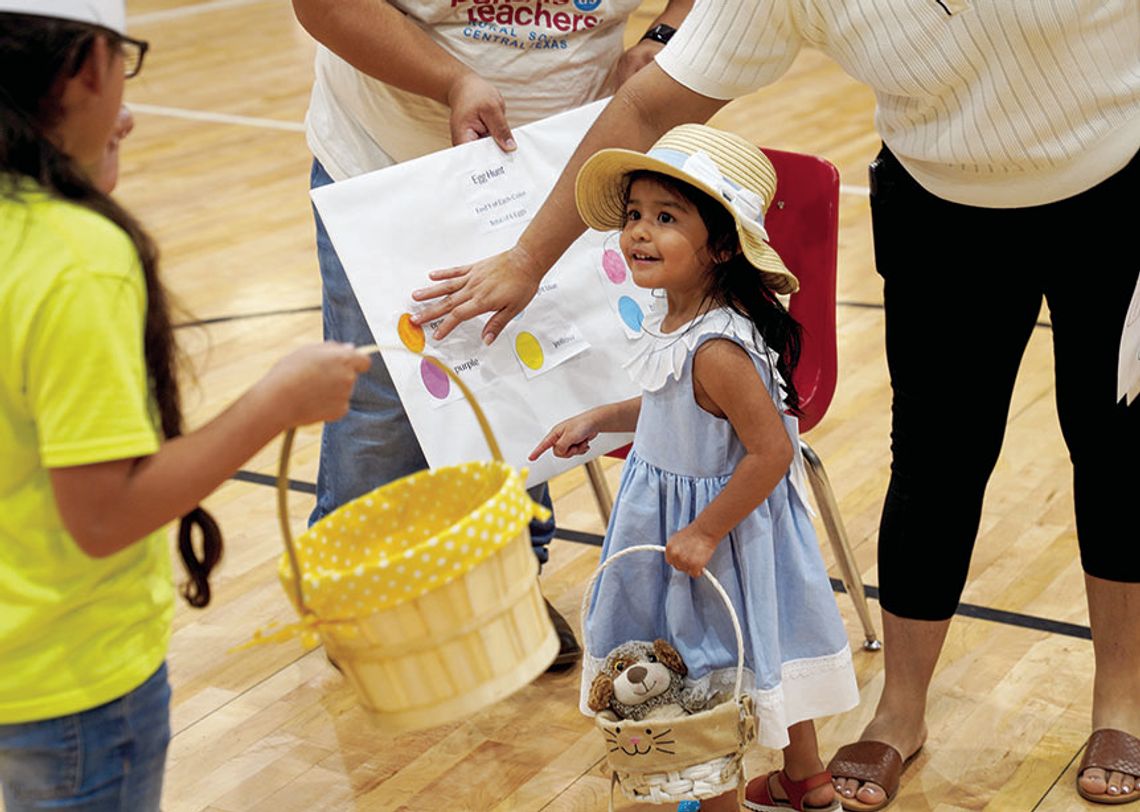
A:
(110, 758)
(40, 761)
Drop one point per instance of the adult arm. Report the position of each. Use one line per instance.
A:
(726, 384)
(639, 113)
(379, 40)
(107, 506)
(642, 52)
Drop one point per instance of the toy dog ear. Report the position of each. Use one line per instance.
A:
(601, 692)
(669, 656)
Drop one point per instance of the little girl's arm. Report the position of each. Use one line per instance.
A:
(107, 506)
(726, 384)
(572, 436)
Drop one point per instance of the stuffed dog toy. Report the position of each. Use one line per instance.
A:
(639, 678)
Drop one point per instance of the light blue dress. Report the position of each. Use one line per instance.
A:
(797, 659)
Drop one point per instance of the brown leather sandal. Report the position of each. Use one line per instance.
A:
(1112, 751)
(870, 762)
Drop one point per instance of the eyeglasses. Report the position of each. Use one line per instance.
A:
(133, 52)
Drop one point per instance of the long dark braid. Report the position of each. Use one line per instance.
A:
(36, 54)
(738, 285)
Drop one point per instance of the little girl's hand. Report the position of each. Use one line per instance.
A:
(313, 383)
(689, 550)
(568, 439)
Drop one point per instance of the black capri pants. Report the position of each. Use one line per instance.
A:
(962, 291)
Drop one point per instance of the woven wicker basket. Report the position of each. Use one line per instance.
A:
(707, 750)
(425, 591)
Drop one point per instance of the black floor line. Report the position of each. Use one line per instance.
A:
(315, 308)
(265, 479)
(243, 316)
(594, 539)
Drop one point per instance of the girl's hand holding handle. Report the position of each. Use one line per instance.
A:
(689, 550)
(313, 384)
(569, 438)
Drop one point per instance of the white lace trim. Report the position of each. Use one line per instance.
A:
(809, 689)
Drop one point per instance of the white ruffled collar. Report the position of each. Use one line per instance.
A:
(662, 356)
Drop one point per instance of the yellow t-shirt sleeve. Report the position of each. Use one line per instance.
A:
(86, 376)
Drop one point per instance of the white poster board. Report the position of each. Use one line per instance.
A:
(562, 355)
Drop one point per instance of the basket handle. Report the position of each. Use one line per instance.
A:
(287, 447)
(645, 548)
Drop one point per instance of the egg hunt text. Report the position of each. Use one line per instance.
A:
(525, 12)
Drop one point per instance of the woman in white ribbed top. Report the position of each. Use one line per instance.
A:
(1009, 172)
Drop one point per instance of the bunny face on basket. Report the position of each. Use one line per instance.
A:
(638, 678)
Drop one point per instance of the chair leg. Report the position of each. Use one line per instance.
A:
(837, 535)
(601, 489)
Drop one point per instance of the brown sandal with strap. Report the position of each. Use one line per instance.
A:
(1112, 751)
(870, 762)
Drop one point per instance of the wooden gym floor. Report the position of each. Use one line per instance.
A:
(217, 168)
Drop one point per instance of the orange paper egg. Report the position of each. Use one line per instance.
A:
(411, 334)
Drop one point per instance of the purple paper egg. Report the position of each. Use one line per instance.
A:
(435, 379)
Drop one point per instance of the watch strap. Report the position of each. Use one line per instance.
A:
(660, 33)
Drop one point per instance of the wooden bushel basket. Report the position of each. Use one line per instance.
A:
(706, 749)
(425, 591)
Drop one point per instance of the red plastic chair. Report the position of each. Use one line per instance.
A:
(803, 222)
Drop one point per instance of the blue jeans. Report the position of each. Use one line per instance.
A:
(107, 759)
(374, 443)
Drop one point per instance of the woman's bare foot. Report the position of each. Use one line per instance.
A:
(1114, 614)
(1096, 781)
(902, 734)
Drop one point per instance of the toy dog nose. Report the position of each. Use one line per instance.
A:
(637, 673)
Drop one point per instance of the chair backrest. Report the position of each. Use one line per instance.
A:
(803, 224)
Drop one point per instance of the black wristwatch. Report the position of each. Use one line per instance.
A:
(660, 33)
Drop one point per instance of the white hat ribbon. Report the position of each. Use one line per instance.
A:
(745, 204)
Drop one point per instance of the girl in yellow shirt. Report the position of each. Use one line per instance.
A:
(95, 462)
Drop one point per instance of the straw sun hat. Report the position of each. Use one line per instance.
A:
(110, 14)
(725, 166)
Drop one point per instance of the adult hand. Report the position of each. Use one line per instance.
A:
(633, 60)
(478, 111)
(107, 173)
(689, 550)
(313, 383)
(503, 284)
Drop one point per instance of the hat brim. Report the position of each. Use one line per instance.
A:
(600, 191)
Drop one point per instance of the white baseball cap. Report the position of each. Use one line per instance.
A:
(110, 14)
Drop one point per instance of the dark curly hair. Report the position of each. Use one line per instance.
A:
(736, 284)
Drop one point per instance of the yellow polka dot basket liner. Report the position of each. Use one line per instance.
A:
(699, 755)
(424, 591)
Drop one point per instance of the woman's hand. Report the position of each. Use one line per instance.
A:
(569, 438)
(478, 111)
(313, 383)
(503, 284)
(633, 60)
(689, 550)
